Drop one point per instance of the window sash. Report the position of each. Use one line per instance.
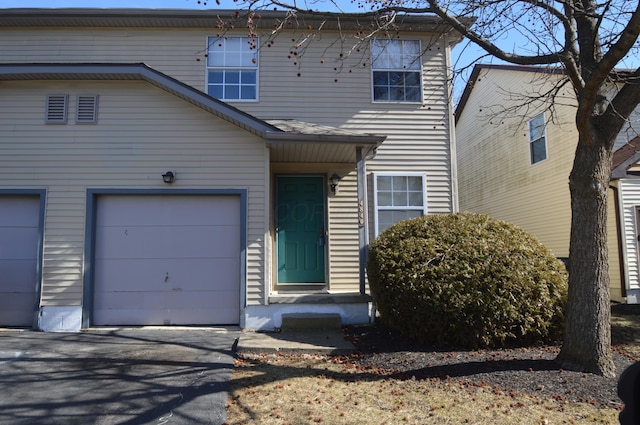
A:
(396, 71)
(537, 139)
(398, 196)
(232, 68)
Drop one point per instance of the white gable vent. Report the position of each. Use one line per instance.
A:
(57, 108)
(87, 108)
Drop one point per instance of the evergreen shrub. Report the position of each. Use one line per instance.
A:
(467, 280)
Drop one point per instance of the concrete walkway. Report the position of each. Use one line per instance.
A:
(313, 341)
(118, 376)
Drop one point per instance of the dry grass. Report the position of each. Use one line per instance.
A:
(278, 389)
(309, 389)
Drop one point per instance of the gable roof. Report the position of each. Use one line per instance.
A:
(330, 142)
(625, 157)
(619, 75)
(475, 75)
(213, 18)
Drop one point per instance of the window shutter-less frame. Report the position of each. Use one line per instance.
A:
(57, 108)
(87, 109)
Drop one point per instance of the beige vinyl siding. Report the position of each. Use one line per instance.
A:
(323, 81)
(179, 53)
(495, 172)
(141, 132)
(494, 166)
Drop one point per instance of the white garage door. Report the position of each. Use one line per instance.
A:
(167, 260)
(19, 226)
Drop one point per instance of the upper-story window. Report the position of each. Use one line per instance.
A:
(537, 139)
(232, 68)
(396, 67)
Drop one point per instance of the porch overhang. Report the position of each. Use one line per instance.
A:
(626, 160)
(302, 142)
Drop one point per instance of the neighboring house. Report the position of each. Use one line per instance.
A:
(157, 167)
(514, 159)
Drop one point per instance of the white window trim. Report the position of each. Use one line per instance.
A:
(376, 208)
(544, 136)
(257, 69)
(420, 71)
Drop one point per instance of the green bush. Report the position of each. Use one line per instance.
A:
(467, 280)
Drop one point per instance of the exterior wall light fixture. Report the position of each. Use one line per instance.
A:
(169, 177)
(335, 179)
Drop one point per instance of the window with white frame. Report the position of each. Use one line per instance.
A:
(537, 139)
(398, 197)
(232, 68)
(396, 68)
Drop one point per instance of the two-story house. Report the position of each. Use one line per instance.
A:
(515, 153)
(207, 167)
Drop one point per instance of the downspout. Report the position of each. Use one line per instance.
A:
(363, 237)
(621, 252)
(452, 130)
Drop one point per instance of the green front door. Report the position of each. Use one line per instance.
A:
(300, 232)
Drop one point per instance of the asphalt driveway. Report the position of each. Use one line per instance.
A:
(118, 376)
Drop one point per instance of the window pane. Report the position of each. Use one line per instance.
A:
(216, 77)
(415, 199)
(384, 182)
(248, 92)
(411, 58)
(232, 77)
(380, 78)
(385, 199)
(412, 79)
(415, 183)
(399, 183)
(216, 90)
(536, 127)
(538, 151)
(248, 77)
(412, 94)
(232, 92)
(381, 93)
(400, 199)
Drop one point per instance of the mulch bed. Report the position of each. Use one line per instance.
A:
(531, 370)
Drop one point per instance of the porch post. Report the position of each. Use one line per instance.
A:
(363, 234)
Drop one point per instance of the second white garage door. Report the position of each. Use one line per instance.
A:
(167, 260)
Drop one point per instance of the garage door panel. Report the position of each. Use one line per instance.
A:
(149, 211)
(19, 236)
(155, 308)
(17, 276)
(18, 243)
(17, 309)
(19, 211)
(167, 259)
(167, 242)
(159, 275)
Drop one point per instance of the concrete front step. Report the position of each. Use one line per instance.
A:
(295, 321)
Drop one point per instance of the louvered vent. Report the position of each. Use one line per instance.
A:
(87, 110)
(57, 108)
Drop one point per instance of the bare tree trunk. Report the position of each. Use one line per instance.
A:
(587, 338)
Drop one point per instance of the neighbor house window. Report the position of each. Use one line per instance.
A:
(396, 67)
(232, 68)
(537, 139)
(398, 197)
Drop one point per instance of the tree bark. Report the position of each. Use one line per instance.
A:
(587, 338)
